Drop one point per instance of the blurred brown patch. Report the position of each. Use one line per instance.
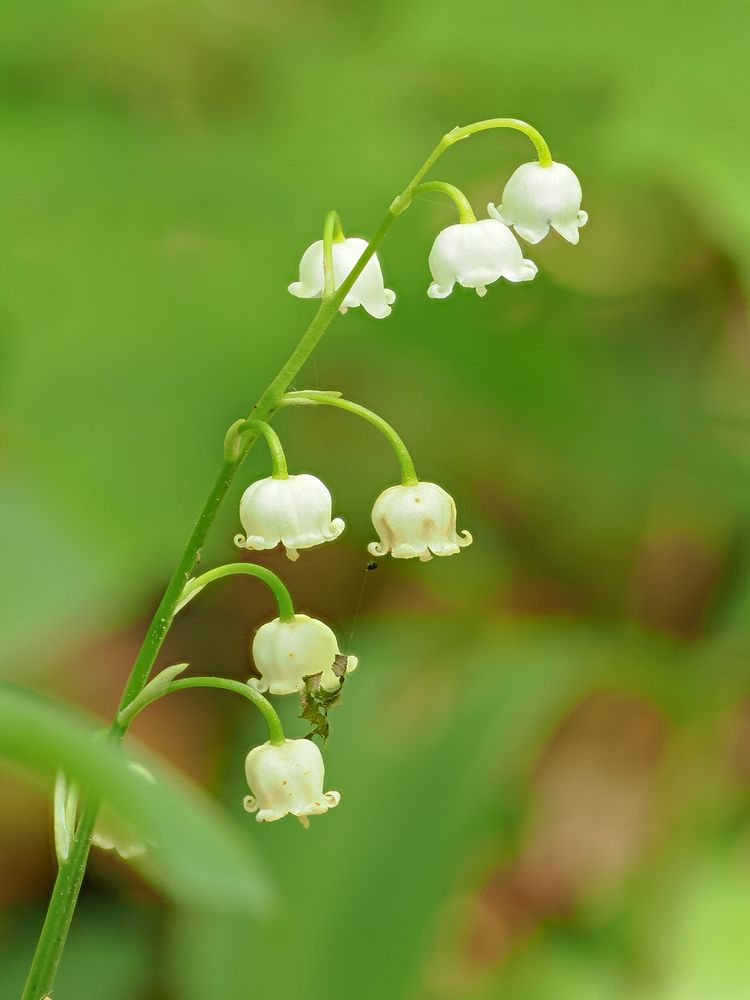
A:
(738, 741)
(674, 582)
(25, 840)
(590, 816)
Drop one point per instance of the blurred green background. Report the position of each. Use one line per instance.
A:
(544, 757)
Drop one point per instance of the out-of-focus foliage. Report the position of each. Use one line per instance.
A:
(390, 899)
(111, 952)
(193, 853)
(544, 755)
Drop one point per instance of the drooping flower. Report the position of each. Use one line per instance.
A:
(416, 521)
(112, 833)
(287, 778)
(368, 290)
(475, 254)
(287, 652)
(537, 197)
(295, 511)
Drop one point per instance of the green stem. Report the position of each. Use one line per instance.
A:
(70, 875)
(280, 592)
(62, 907)
(462, 203)
(408, 473)
(165, 612)
(542, 149)
(266, 709)
(278, 458)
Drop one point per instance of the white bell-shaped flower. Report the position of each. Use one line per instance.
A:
(368, 290)
(287, 652)
(287, 778)
(416, 521)
(475, 254)
(295, 511)
(538, 197)
(113, 833)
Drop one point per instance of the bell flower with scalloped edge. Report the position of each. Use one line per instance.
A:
(475, 254)
(287, 778)
(287, 652)
(537, 197)
(416, 521)
(295, 511)
(368, 290)
(113, 833)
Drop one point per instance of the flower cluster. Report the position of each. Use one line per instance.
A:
(296, 654)
(413, 519)
(472, 253)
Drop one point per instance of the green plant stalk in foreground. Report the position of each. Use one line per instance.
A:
(71, 872)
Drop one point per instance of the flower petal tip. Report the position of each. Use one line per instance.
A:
(532, 236)
(496, 212)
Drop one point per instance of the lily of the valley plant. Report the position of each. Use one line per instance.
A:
(413, 519)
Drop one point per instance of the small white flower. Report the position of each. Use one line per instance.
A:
(295, 511)
(538, 197)
(287, 778)
(416, 521)
(475, 254)
(368, 290)
(112, 833)
(287, 652)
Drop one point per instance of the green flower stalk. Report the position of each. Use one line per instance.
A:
(307, 396)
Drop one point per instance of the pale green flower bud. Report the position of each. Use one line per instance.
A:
(287, 778)
(112, 833)
(416, 521)
(295, 511)
(287, 652)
